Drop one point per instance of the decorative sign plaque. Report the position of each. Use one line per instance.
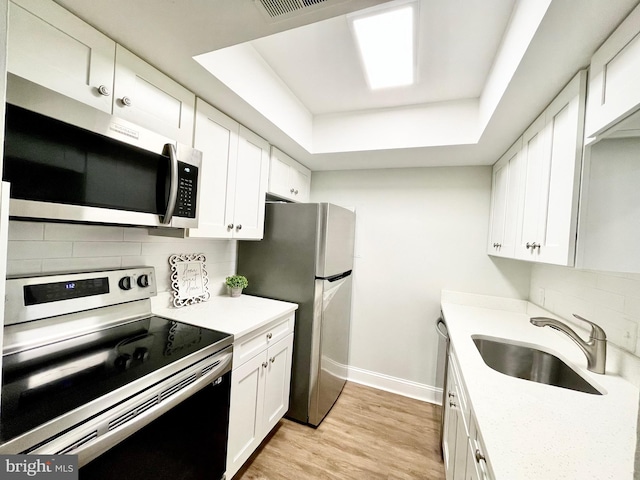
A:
(189, 279)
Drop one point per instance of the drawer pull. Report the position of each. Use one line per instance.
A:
(269, 336)
(265, 364)
(272, 359)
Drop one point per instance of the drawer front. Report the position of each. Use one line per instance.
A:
(253, 343)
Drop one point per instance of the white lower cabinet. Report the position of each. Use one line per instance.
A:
(260, 388)
(464, 457)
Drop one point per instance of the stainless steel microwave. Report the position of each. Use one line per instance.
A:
(67, 161)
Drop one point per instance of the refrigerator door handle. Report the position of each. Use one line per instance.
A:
(335, 278)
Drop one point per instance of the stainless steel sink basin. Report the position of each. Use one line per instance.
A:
(530, 364)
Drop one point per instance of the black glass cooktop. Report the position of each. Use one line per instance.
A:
(41, 384)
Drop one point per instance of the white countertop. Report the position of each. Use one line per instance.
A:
(535, 431)
(235, 315)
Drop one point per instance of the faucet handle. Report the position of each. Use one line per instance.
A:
(597, 333)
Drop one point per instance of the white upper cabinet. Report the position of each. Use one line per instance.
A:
(288, 179)
(234, 177)
(551, 158)
(505, 194)
(51, 47)
(147, 97)
(614, 76)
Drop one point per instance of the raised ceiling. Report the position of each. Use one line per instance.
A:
(486, 69)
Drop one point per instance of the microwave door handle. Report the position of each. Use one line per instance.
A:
(173, 187)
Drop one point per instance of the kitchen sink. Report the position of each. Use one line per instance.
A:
(530, 364)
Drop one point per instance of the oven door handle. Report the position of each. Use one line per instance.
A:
(170, 149)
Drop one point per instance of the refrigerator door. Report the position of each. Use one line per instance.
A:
(330, 346)
(336, 240)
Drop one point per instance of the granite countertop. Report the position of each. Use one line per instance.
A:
(235, 315)
(535, 431)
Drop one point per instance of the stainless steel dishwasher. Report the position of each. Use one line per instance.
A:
(441, 328)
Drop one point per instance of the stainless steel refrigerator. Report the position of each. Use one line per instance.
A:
(306, 257)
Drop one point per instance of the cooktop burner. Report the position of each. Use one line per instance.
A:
(43, 383)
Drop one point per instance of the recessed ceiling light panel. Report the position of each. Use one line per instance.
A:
(386, 41)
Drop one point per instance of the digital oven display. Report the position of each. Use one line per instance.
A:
(53, 292)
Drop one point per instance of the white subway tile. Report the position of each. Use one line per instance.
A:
(26, 230)
(89, 233)
(105, 249)
(79, 264)
(19, 250)
(622, 285)
(24, 267)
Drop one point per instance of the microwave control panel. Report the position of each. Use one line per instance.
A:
(187, 190)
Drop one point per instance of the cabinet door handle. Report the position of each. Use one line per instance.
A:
(265, 364)
(452, 404)
(269, 336)
(126, 101)
(296, 192)
(481, 460)
(292, 190)
(238, 227)
(451, 394)
(104, 90)
(272, 359)
(533, 246)
(230, 226)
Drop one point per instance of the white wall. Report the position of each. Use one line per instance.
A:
(418, 231)
(55, 247)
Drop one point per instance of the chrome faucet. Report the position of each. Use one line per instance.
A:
(595, 349)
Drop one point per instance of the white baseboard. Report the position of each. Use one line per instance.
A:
(407, 388)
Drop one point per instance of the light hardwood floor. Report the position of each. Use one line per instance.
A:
(369, 434)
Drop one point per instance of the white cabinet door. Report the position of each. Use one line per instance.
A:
(216, 135)
(51, 47)
(235, 165)
(614, 76)
(246, 411)
(505, 200)
(552, 153)
(278, 382)
(565, 127)
(288, 179)
(147, 97)
(250, 185)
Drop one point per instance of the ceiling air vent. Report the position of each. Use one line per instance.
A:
(275, 10)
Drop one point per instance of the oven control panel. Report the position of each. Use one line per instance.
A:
(43, 296)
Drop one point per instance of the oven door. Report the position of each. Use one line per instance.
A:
(189, 442)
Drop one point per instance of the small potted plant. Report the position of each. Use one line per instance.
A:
(236, 283)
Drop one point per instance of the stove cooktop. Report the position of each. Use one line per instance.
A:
(41, 384)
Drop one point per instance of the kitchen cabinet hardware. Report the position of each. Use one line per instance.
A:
(264, 364)
(238, 227)
(452, 404)
(533, 246)
(272, 359)
(126, 101)
(452, 394)
(269, 336)
(230, 226)
(292, 190)
(479, 456)
(104, 90)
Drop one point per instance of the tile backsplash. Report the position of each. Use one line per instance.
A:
(612, 300)
(36, 247)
